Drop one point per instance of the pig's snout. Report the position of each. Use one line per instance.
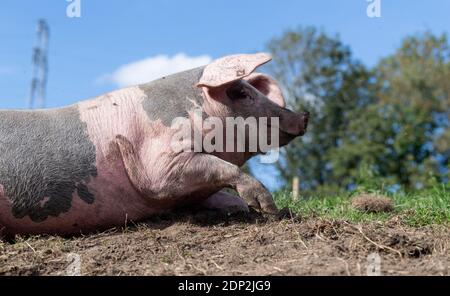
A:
(295, 124)
(302, 124)
(305, 120)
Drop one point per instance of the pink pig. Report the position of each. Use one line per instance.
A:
(108, 160)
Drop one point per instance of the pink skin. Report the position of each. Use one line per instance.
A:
(231, 68)
(116, 200)
(138, 175)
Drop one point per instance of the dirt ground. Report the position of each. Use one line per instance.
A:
(208, 243)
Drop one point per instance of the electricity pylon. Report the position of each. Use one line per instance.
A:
(40, 67)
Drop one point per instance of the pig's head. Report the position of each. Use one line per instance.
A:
(232, 90)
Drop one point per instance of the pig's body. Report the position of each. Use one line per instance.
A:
(61, 169)
(106, 161)
(58, 173)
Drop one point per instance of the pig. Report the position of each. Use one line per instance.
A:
(105, 161)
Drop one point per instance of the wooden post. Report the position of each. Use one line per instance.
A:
(295, 188)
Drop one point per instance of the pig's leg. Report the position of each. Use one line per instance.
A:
(226, 202)
(206, 171)
(199, 172)
(133, 166)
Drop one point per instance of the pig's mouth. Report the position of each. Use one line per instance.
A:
(295, 125)
(295, 130)
(286, 137)
(288, 130)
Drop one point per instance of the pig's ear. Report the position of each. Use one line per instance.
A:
(231, 68)
(267, 86)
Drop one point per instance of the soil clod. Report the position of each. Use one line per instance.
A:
(371, 203)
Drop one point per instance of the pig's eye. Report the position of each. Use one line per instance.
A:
(237, 93)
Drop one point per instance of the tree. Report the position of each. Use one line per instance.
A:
(390, 125)
(403, 138)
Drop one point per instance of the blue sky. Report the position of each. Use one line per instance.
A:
(114, 33)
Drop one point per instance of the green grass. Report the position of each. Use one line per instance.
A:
(428, 207)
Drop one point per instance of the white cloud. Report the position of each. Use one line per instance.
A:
(152, 68)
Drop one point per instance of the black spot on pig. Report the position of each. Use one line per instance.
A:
(45, 156)
(172, 96)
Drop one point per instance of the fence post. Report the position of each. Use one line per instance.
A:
(295, 188)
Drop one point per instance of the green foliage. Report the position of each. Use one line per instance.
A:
(424, 207)
(387, 126)
(398, 132)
